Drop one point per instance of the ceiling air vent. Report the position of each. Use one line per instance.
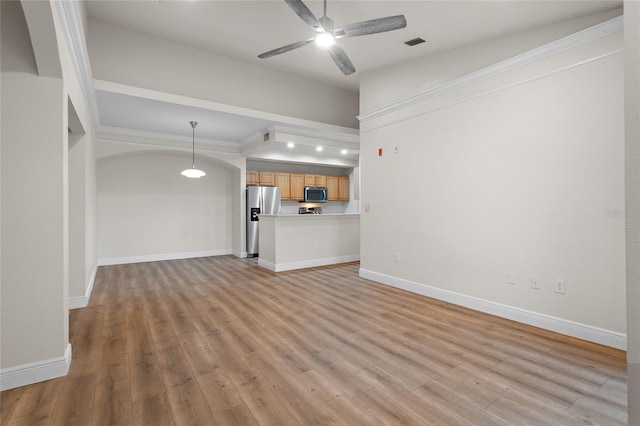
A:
(414, 41)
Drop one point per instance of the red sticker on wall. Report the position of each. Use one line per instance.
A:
(379, 152)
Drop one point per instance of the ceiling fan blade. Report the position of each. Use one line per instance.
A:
(341, 59)
(284, 49)
(304, 13)
(373, 26)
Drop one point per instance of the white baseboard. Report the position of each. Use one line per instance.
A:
(158, 257)
(35, 372)
(78, 302)
(279, 267)
(82, 301)
(569, 328)
(240, 254)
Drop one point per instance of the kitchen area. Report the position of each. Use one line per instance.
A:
(301, 216)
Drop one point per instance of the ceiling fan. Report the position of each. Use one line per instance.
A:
(326, 35)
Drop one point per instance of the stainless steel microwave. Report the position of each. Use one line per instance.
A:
(315, 195)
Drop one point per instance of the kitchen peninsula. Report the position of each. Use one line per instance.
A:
(295, 241)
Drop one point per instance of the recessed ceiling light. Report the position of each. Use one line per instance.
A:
(414, 41)
(319, 148)
(290, 144)
(344, 152)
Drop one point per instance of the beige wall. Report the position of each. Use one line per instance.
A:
(145, 207)
(35, 194)
(34, 220)
(17, 54)
(82, 221)
(238, 214)
(632, 129)
(522, 172)
(78, 279)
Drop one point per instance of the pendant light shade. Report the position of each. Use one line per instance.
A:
(193, 172)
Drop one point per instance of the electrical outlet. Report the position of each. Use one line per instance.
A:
(535, 282)
(559, 286)
(396, 256)
(511, 278)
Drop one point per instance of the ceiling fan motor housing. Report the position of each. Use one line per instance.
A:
(327, 24)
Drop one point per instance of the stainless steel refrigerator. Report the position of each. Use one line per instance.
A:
(260, 200)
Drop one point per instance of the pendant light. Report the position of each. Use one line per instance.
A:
(193, 172)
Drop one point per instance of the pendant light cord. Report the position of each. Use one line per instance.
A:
(193, 145)
(193, 172)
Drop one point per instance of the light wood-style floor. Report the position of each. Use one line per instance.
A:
(220, 341)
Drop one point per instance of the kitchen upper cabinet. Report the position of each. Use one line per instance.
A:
(252, 178)
(292, 184)
(267, 178)
(283, 182)
(309, 180)
(317, 181)
(343, 188)
(332, 188)
(296, 187)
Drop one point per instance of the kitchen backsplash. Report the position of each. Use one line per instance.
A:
(291, 207)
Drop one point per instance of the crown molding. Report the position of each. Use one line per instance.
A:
(108, 133)
(70, 16)
(590, 34)
(351, 136)
(158, 144)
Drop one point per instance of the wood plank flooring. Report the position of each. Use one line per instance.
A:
(219, 341)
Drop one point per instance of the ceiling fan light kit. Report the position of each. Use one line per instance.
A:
(325, 39)
(326, 35)
(193, 172)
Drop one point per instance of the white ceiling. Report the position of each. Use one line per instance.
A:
(243, 29)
